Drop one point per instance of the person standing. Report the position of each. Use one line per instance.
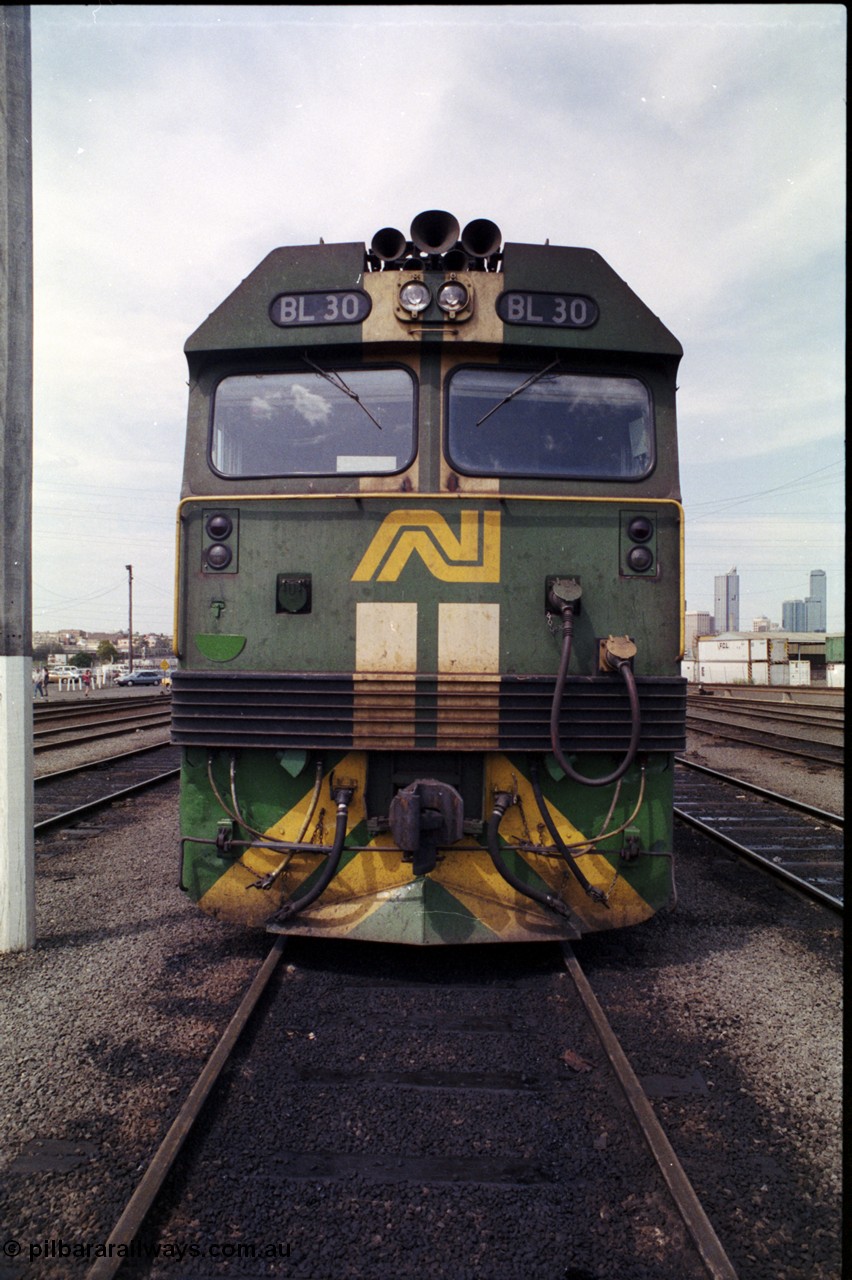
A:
(87, 682)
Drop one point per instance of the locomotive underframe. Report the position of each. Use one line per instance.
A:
(376, 892)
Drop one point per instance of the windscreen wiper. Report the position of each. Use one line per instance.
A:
(527, 383)
(336, 381)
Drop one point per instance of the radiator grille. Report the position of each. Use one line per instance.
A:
(474, 713)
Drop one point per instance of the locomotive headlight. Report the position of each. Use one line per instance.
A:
(219, 556)
(453, 297)
(219, 526)
(415, 297)
(640, 559)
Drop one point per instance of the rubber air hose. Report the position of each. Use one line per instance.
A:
(503, 801)
(295, 905)
(625, 671)
(596, 894)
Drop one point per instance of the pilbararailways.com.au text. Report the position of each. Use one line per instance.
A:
(177, 1249)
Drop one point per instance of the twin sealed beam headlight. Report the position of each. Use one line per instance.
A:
(454, 298)
(414, 297)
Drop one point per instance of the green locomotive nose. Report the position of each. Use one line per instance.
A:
(429, 597)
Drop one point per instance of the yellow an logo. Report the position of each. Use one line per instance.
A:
(470, 557)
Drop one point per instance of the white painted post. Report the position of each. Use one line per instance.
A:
(17, 861)
(17, 857)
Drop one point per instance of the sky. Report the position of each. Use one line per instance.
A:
(699, 148)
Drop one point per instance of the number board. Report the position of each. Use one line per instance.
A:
(320, 307)
(551, 310)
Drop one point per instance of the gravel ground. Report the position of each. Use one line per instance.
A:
(729, 1009)
(801, 780)
(68, 757)
(103, 1026)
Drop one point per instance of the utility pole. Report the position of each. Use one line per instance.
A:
(129, 568)
(17, 857)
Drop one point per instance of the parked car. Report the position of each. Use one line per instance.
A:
(140, 677)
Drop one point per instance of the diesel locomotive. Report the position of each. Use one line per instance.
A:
(429, 595)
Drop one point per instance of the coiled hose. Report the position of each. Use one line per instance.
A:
(624, 669)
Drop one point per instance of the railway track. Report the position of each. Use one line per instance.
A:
(452, 1117)
(794, 842)
(806, 731)
(69, 724)
(71, 795)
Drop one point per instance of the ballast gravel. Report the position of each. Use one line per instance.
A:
(729, 1009)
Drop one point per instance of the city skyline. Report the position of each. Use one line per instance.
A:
(808, 613)
(724, 123)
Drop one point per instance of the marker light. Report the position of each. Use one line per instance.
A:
(414, 297)
(453, 297)
(640, 559)
(219, 526)
(219, 556)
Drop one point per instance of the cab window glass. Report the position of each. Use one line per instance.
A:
(544, 422)
(316, 421)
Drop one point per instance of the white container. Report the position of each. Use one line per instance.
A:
(800, 673)
(723, 651)
(835, 675)
(779, 673)
(724, 672)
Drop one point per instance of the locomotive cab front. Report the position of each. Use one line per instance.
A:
(429, 596)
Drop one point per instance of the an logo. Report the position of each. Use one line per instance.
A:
(473, 556)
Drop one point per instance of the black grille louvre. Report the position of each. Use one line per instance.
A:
(510, 713)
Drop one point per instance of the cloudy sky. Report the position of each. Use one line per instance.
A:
(699, 148)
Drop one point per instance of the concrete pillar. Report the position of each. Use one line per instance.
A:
(17, 862)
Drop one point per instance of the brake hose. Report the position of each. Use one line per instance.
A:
(622, 665)
(343, 798)
(596, 894)
(502, 802)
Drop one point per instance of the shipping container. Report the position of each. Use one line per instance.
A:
(733, 673)
(834, 650)
(737, 649)
(835, 675)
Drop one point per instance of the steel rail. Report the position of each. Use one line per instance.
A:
(836, 819)
(149, 719)
(58, 774)
(82, 708)
(725, 735)
(92, 806)
(819, 715)
(765, 864)
(118, 1244)
(689, 1207)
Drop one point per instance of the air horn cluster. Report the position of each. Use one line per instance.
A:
(435, 244)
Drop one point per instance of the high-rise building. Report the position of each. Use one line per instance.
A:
(726, 601)
(696, 624)
(817, 601)
(811, 613)
(794, 615)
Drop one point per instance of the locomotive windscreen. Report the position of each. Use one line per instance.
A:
(315, 421)
(562, 425)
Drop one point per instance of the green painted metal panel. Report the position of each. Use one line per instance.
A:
(327, 540)
(242, 321)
